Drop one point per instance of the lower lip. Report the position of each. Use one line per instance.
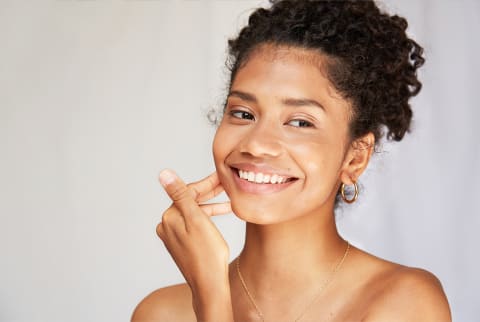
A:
(259, 188)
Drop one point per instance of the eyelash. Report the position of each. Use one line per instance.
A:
(244, 115)
(300, 121)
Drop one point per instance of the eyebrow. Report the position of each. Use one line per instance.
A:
(294, 102)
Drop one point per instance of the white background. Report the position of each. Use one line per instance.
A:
(96, 97)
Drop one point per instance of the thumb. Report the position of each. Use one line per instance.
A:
(177, 190)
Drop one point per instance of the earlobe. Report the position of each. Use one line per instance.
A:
(357, 158)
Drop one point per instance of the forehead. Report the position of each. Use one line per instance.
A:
(287, 71)
(273, 52)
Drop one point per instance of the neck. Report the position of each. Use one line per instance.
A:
(294, 252)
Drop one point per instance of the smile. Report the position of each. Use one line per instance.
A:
(258, 177)
(260, 181)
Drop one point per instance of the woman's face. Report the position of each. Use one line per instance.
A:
(280, 148)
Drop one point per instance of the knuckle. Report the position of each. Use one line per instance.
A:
(160, 231)
(193, 191)
(168, 215)
(179, 192)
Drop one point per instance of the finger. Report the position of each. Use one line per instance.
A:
(173, 223)
(168, 240)
(214, 209)
(206, 188)
(210, 194)
(160, 231)
(178, 191)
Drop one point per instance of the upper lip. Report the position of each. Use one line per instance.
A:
(262, 168)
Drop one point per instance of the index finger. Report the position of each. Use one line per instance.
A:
(206, 188)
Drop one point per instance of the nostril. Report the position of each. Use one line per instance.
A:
(261, 148)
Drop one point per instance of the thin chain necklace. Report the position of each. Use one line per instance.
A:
(320, 290)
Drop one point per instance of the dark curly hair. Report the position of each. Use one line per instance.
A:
(372, 62)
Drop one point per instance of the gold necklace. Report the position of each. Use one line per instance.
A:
(320, 290)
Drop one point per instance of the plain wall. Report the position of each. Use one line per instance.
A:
(96, 97)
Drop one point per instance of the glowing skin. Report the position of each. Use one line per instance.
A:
(281, 152)
(283, 119)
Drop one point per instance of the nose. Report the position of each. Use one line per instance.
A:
(263, 140)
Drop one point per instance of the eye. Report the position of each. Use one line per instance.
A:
(242, 115)
(300, 123)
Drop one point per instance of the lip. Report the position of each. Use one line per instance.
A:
(259, 188)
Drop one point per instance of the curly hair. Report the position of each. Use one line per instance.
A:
(373, 63)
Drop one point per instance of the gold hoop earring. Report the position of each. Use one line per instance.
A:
(355, 195)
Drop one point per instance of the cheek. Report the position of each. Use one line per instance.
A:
(321, 163)
(225, 141)
(217, 150)
(221, 149)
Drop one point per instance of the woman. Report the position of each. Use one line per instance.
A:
(313, 86)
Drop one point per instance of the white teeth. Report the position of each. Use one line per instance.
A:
(274, 179)
(260, 177)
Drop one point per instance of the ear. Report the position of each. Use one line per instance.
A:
(357, 158)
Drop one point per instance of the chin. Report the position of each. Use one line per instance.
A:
(256, 214)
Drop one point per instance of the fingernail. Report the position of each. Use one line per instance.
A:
(166, 177)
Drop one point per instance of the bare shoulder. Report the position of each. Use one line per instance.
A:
(172, 303)
(409, 294)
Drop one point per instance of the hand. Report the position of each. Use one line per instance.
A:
(193, 240)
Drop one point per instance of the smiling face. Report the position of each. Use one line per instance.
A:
(283, 145)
